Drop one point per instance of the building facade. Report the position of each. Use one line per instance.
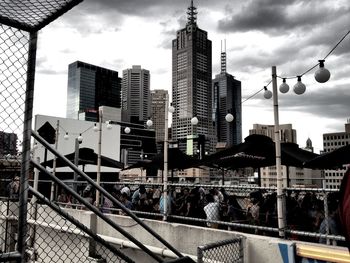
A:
(89, 87)
(227, 97)
(288, 134)
(8, 144)
(292, 176)
(158, 100)
(191, 87)
(332, 141)
(136, 95)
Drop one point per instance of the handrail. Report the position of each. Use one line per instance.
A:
(322, 253)
(103, 191)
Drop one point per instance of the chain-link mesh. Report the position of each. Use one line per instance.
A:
(227, 251)
(14, 48)
(34, 14)
(55, 239)
(9, 225)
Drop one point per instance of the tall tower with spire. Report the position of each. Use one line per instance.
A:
(227, 99)
(191, 87)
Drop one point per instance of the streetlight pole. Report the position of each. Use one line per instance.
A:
(99, 148)
(165, 170)
(280, 210)
(76, 162)
(52, 195)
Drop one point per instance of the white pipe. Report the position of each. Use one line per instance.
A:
(280, 210)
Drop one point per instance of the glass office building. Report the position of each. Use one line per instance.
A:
(89, 87)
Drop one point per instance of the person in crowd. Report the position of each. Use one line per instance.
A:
(332, 221)
(253, 211)
(88, 195)
(125, 202)
(234, 212)
(139, 199)
(181, 202)
(169, 202)
(126, 189)
(13, 188)
(212, 211)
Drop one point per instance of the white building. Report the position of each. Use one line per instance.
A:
(332, 141)
(70, 129)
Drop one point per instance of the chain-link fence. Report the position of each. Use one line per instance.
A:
(26, 233)
(226, 251)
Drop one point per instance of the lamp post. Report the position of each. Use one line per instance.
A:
(280, 201)
(99, 150)
(165, 169)
(322, 75)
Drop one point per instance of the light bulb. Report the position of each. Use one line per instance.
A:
(109, 125)
(299, 87)
(194, 121)
(66, 136)
(149, 123)
(322, 75)
(267, 94)
(95, 128)
(171, 109)
(284, 87)
(80, 138)
(229, 117)
(127, 130)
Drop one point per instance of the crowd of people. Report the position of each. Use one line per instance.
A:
(305, 210)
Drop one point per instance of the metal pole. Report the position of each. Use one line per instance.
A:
(76, 163)
(25, 164)
(98, 176)
(280, 192)
(52, 195)
(165, 170)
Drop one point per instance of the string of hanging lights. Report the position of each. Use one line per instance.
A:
(321, 75)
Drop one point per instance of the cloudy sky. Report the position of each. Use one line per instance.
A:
(292, 35)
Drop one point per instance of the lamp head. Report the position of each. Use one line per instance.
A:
(109, 125)
(66, 136)
(95, 128)
(149, 123)
(171, 109)
(299, 87)
(267, 93)
(194, 121)
(80, 138)
(229, 117)
(284, 87)
(322, 75)
(127, 130)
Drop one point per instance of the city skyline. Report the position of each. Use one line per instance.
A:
(259, 34)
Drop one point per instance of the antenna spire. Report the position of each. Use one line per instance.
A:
(191, 14)
(223, 56)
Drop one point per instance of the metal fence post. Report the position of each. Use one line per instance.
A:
(28, 114)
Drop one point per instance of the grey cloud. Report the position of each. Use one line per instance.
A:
(272, 16)
(325, 100)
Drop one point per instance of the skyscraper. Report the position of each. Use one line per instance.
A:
(158, 112)
(191, 85)
(227, 99)
(89, 87)
(136, 97)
